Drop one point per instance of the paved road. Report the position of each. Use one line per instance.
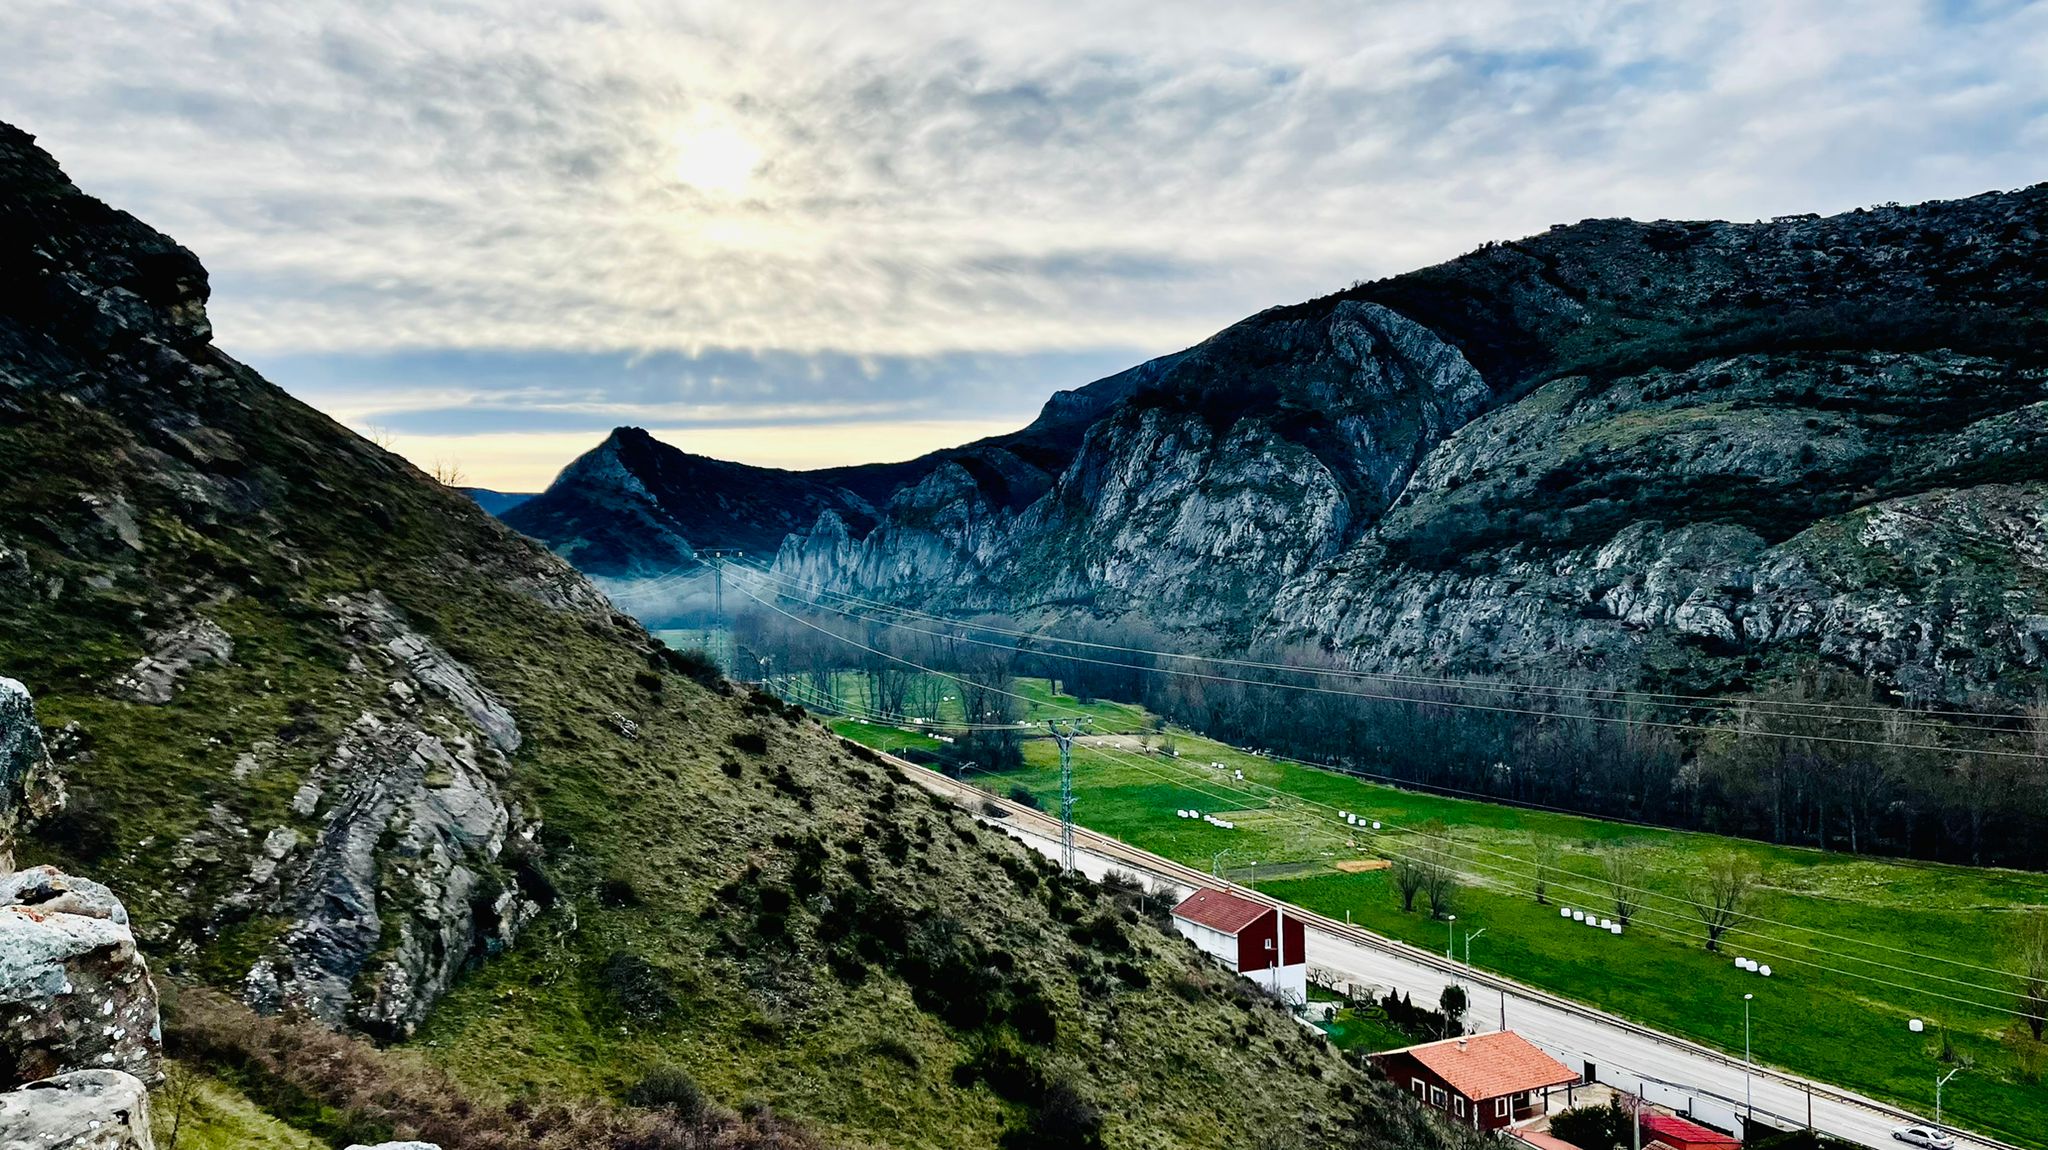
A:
(1668, 1070)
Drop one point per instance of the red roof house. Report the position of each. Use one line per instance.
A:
(1244, 935)
(1679, 1134)
(1486, 1081)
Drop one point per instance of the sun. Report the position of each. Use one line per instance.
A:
(716, 158)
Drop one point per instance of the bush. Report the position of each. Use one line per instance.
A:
(895, 1050)
(695, 664)
(751, 742)
(639, 987)
(1594, 1127)
(617, 891)
(1062, 1120)
(1022, 795)
(1005, 1068)
(669, 1088)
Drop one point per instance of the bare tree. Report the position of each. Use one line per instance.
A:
(1439, 880)
(1408, 880)
(1717, 897)
(1624, 867)
(448, 473)
(1545, 860)
(2034, 971)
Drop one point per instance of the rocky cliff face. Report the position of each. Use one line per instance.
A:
(1613, 452)
(344, 849)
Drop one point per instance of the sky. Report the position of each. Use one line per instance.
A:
(805, 233)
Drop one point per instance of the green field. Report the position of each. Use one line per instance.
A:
(1835, 1009)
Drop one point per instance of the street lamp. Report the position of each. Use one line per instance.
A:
(1748, 1100)
(1469, 936)
(1938, 1084)
(1451, 937)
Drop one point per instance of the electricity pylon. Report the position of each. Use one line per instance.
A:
(1065, 738)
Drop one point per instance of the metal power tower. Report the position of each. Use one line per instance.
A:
(717, 556)
(1065, 738)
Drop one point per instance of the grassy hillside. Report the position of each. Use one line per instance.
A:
(726, 897)
(1837, 928)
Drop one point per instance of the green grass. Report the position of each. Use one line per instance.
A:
(203, 1113)
(1838, 1028)
(1360, 1030)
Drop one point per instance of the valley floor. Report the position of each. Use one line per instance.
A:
(1859, 946)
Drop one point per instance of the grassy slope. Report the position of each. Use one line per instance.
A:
(1841, 1029)
(658, 852)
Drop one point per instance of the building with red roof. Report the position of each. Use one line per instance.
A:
(1249, 937)
(1486, 1081)
(1680, 1134)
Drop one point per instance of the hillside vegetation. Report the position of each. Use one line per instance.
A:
(353, 752)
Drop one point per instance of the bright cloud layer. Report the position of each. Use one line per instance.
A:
(534, 221)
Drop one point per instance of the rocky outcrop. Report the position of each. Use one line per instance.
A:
(403, 884)
(79, 1110)
(174, 652)
(28, 785)
(74, 992)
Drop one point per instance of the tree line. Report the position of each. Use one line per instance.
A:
(1817, 759)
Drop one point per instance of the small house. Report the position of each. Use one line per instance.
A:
(1251, 938)
(1485, 1081)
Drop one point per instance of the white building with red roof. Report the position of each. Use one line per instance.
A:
(1249, 937)
(1485, 1081)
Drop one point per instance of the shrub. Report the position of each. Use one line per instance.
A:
(1022, 795)
(695, 664)
(617, 891)
(1005, 1068)
(639, 987)
(1063, 1120)
(731, 767)
(669, 1088)
(895, 1050)
(1594, 1127)
(751, 742)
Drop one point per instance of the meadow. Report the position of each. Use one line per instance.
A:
(1859, 946)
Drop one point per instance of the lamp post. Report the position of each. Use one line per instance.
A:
(1451, 937)
(1216, 862)
(1938, 1084)
(1748, 1099)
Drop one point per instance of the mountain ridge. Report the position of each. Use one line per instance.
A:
(1291, 480)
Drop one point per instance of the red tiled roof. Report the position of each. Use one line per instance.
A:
(1680, 1131)
(1221, 910)
(1490, 1065)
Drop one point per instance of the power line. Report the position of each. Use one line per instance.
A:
(1640, 723)
(1496, 869)
(1688, 702)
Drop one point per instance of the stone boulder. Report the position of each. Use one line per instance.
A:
(74, 992)
(81, 1110)
(25, 774)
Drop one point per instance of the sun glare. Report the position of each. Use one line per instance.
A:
(716, 158)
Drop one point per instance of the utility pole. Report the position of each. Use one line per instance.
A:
(1938, 1084)
(717, 556)
(1748, 1098)
(1065, 738)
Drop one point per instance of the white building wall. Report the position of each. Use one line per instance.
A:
(1212, 942)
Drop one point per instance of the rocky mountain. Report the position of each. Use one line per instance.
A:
(1615, 451)
(497, 502)
(357, 755)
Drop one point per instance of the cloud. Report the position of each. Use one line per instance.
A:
(389, 192)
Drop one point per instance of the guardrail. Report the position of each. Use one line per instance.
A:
(1162, 867)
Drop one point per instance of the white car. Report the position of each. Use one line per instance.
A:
(1926, 1136)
